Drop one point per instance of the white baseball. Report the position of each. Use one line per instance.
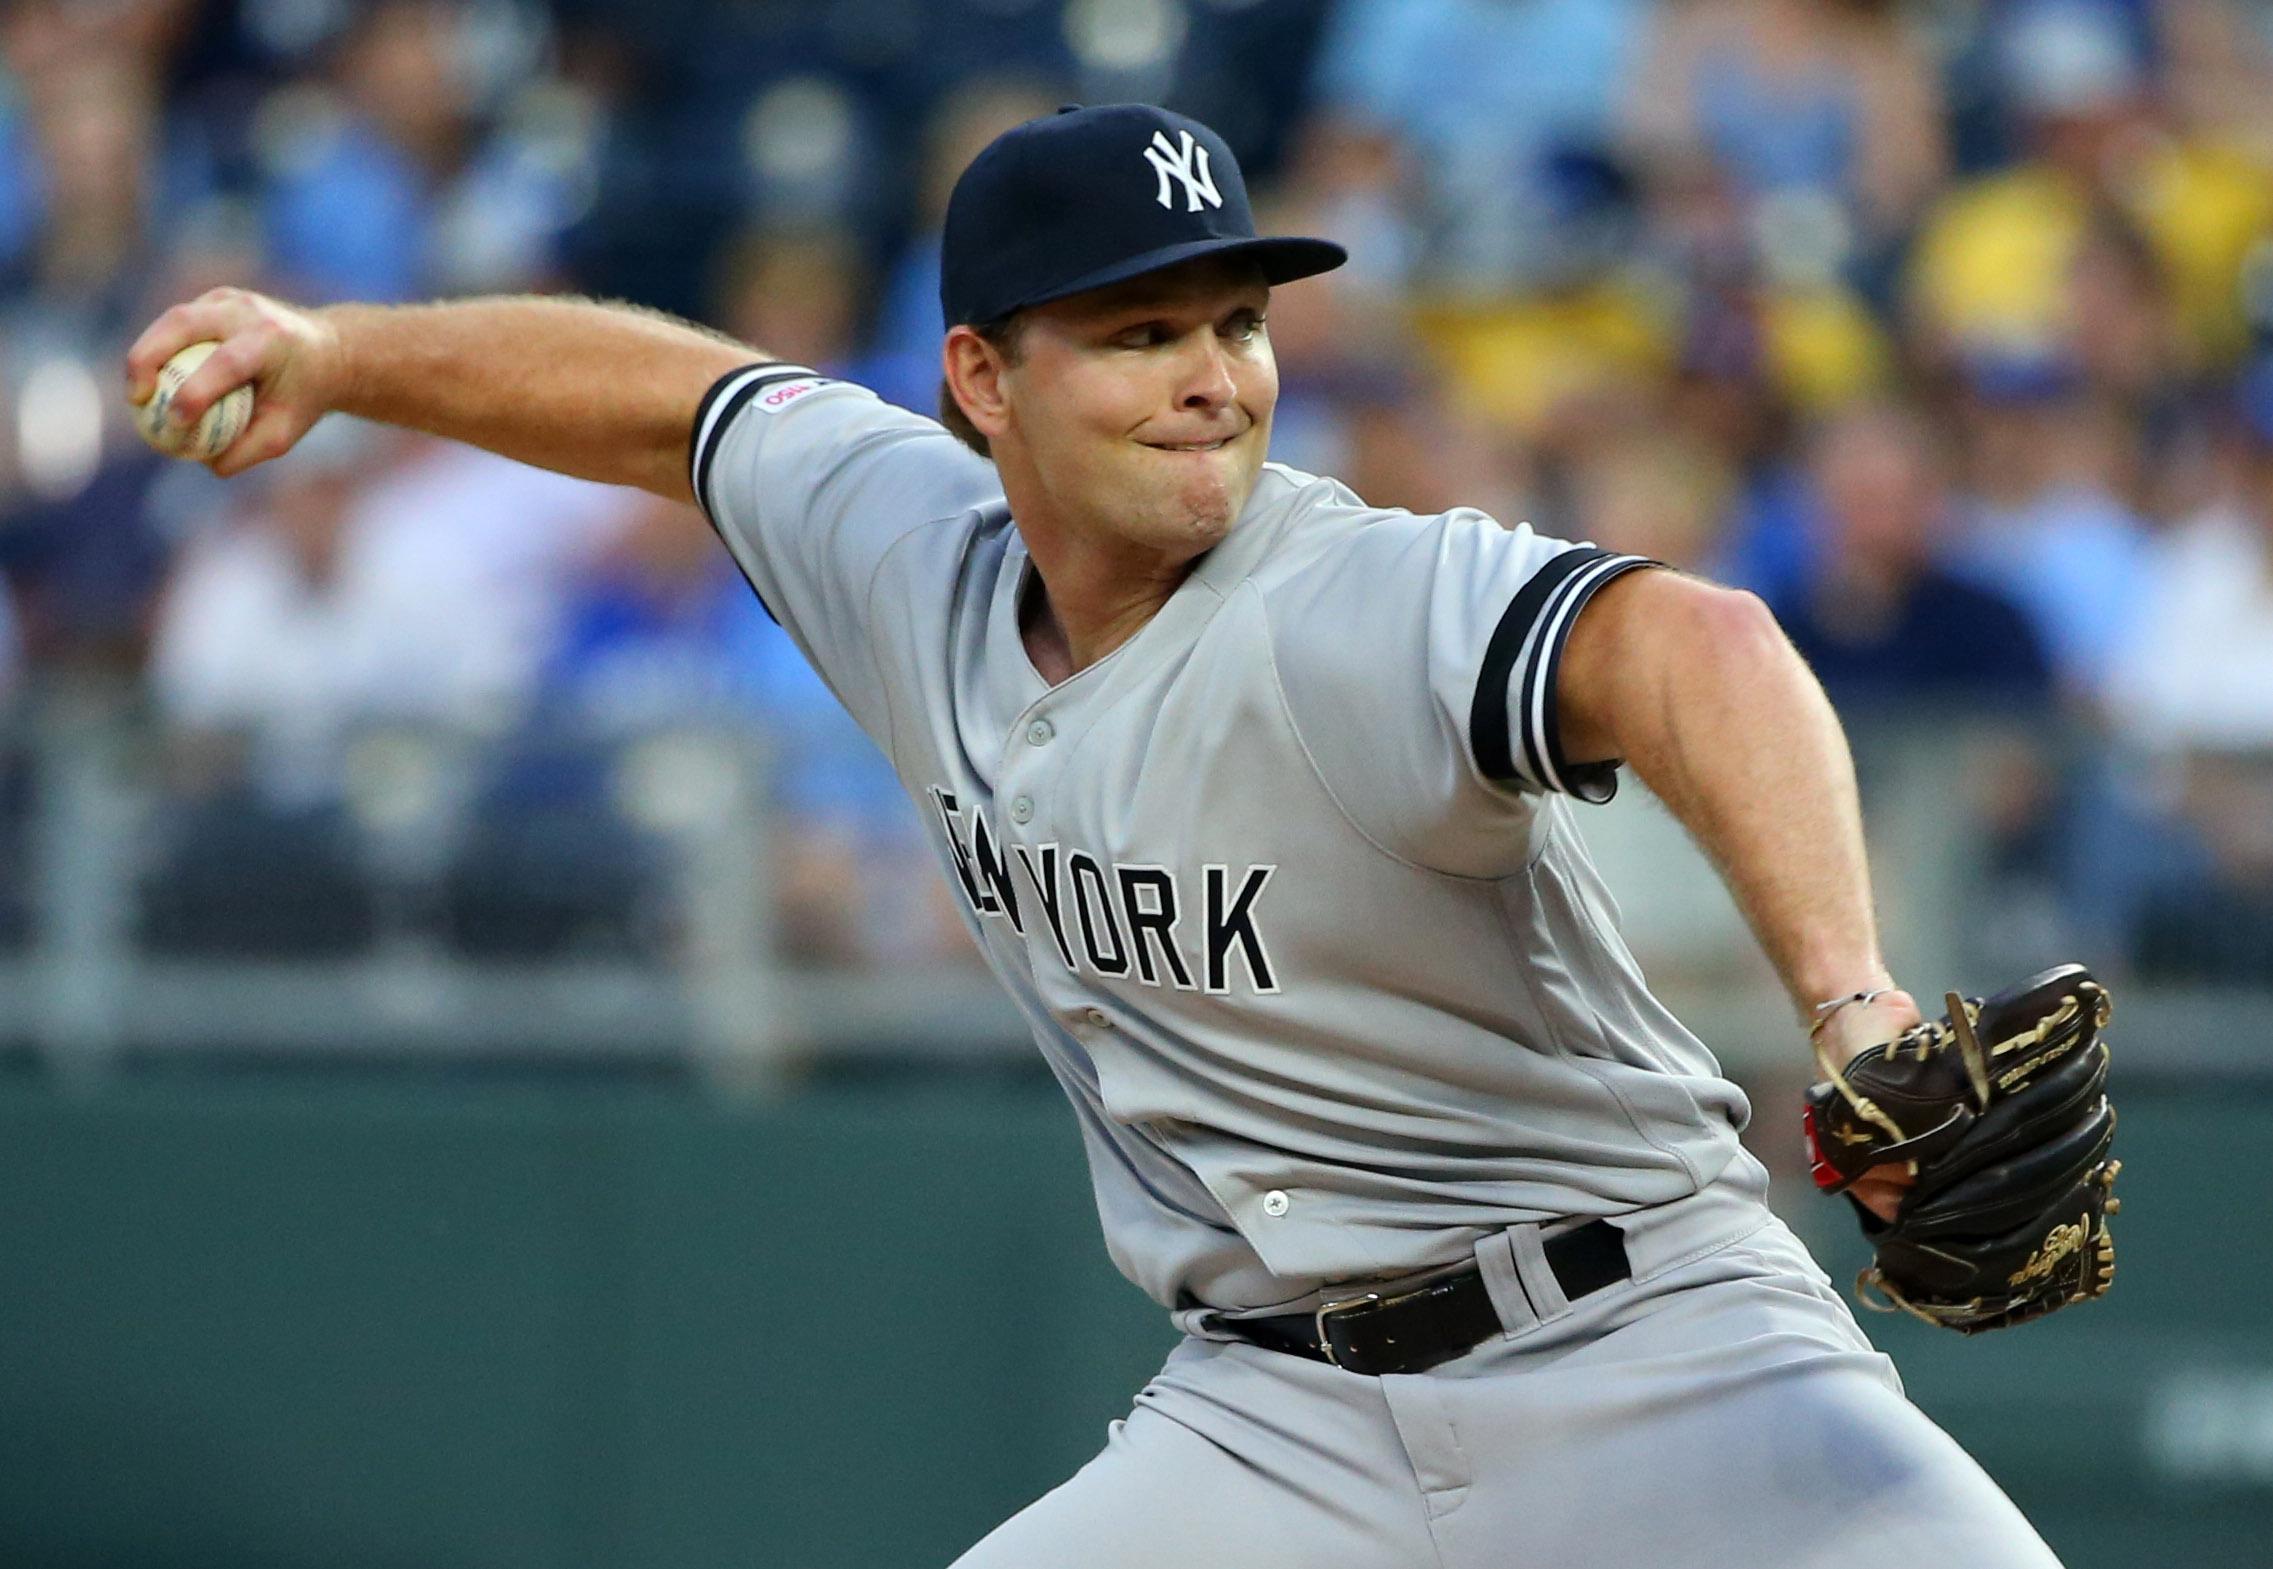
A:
(210, 437)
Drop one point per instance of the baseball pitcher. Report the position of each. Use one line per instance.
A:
(1258, 801)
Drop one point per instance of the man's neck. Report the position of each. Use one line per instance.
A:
(1093, 588)
(1083, 604)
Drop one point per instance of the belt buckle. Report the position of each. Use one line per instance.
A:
(1340, 1304)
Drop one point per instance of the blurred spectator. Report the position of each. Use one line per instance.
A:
(105, 186)
(656, 629)
(377, 580)
(1659, 498)
(1824, 113)
(362, 587)
(259, 675)
(94, 517)
(2043, 521)
(1991, 265)
(1752, 355)
(58, 57)
(1537, 366)
(1351, 181)
(1880, 621)
(1753, 303)
(2135, 372)
(2194, 692)
(261, 661)
(797, 293)
(394, 181)
(1359, 400)
(89, 184)
(1994, 265)
(659, 632)
(87, 562)
(1502, 107)
(2198, 671)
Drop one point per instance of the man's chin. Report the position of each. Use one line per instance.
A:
(1185, 502)
(1215, 485)
(1207, 513)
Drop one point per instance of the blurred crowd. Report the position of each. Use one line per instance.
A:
(1945, 326)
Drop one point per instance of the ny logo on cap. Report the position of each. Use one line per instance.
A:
(1188, 163)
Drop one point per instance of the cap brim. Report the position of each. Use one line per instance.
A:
(1283, 260)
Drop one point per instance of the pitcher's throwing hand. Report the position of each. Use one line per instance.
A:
(289, 358)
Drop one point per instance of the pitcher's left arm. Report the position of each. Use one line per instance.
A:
(1699, 691)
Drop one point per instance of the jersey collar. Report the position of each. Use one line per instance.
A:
(1213, 579)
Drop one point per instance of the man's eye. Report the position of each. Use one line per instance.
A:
(1246, 326)
(1149, 336)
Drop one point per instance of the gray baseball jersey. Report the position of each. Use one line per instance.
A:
(1288, 892)
(1285, 886)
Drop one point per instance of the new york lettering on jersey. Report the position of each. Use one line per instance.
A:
(1131, 920)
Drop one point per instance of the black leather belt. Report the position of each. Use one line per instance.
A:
(1435, 1321)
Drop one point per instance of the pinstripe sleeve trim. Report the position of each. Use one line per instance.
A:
(714, 416)
(1512, 724)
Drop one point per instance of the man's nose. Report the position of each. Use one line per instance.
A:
(1207, 377)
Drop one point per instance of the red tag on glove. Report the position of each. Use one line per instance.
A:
(1826, 1178)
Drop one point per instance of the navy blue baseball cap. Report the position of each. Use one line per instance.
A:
(1086, 197)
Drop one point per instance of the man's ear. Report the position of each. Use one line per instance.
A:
(974, 370)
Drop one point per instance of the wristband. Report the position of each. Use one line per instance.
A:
(1824, 1010)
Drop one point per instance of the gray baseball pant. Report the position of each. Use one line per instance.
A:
(1721, 1410)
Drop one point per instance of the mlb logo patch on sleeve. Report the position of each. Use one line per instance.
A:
(781, 394)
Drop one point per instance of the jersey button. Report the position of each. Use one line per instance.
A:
(1039, 732)
(1095, 1018)
(1275, 1203)
(1022, 809)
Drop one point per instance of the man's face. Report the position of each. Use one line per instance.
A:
(1878, 481)
(1141, 411)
